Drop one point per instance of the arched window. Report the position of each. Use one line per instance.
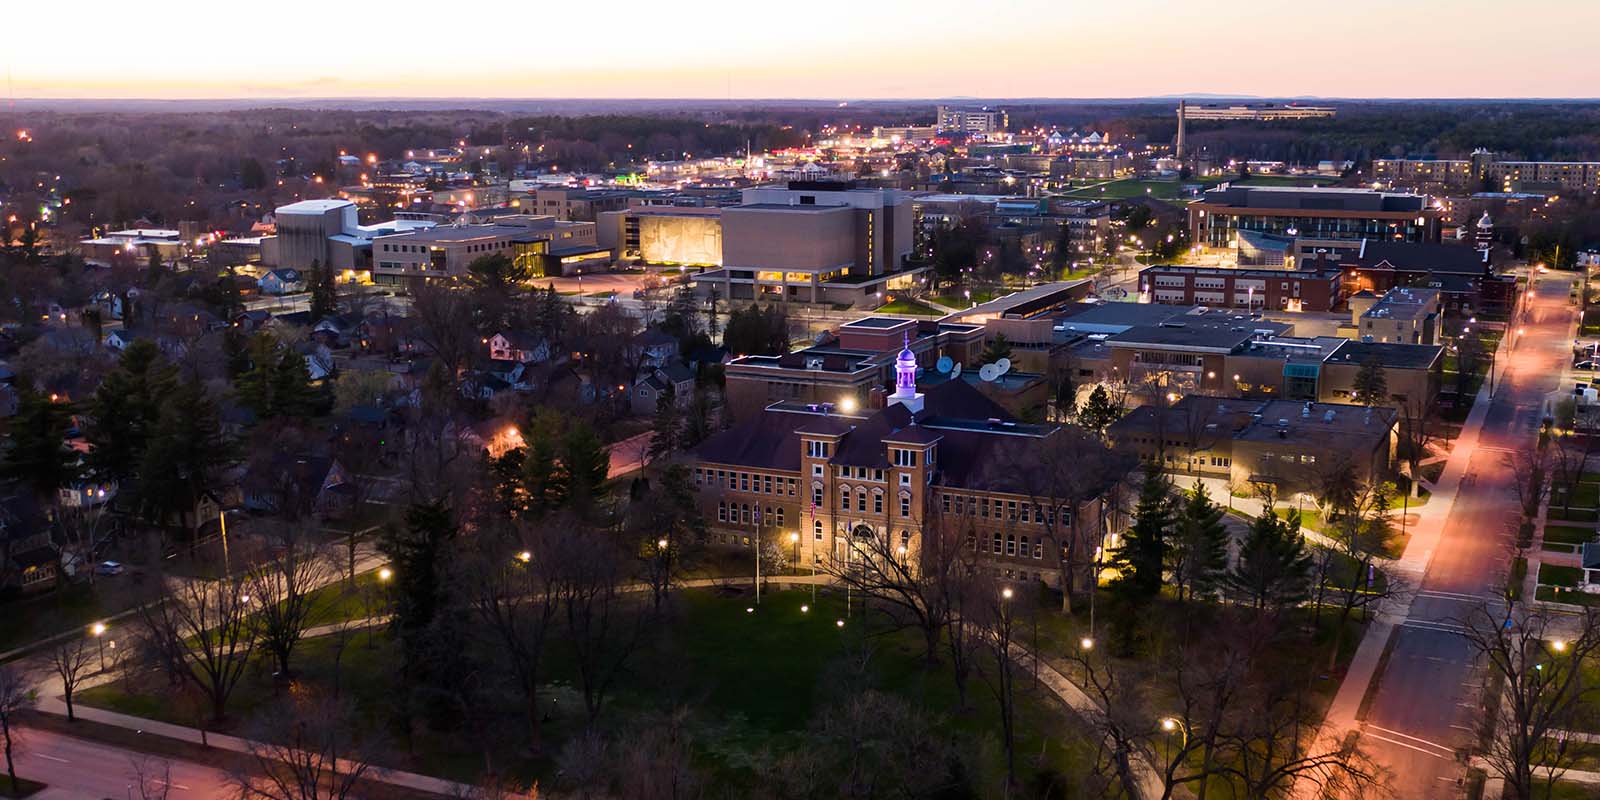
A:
(816, 529)
(998, 546)
(779, 517)
(1011, 544)
(744, 513)
(905, 541)
(1024, 546)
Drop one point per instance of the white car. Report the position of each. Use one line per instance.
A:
(108, 568)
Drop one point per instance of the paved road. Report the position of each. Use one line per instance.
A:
(79, 769)
(1428, 698)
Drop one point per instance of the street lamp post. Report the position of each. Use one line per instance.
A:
(222, 520)
(794, 539)
(99, 631)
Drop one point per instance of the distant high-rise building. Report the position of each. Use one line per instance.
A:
(972, 120)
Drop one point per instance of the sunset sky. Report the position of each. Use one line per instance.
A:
(805, 49)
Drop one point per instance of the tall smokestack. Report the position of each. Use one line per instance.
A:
(1182, 104)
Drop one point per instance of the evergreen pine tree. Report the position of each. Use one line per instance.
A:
(667, 425)
(584, 466)
(37, 454)
(1274, 568)
(292, 395)
(1371, 386)
(996, 349)
(125, 409)
(324, 292)
(1141, 556)
(1098, 411)
(1199, 552)
(186, 455)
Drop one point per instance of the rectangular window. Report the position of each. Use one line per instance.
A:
(983, 508)
(905, 506)
(844, 499)
(1011, 510)
(944, 503)
(861, 500)
(1038, 550)
(744, 514)
(766, 483)
(744, 481)
(877, 474)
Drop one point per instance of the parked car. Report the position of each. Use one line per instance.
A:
(108, 568)
(1583, 365)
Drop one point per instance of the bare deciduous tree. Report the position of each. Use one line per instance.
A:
(202, 634)
(283, 586)
(910, 581)
(514, 596)
(71, 658)
(1543, 689)
(152, 777)
(17, 694)
(310, 748)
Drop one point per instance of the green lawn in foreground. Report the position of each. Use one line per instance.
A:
(1555, 575)
(959, 301)
(751, 681)
(900, 306)
(1568, 534)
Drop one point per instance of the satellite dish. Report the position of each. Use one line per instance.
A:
(955, 372)
(1003, 365)
(988, 372)
(945, 364)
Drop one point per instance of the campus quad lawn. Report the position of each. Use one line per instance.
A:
(751, 681)
(908, 307)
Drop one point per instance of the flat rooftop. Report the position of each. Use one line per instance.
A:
(877, 322)
(1209, 338)
(1333, 424)
(1404, 304)
(1389, 354)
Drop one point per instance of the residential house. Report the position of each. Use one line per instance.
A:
(282, 281)
(655, 384)
(520, 346)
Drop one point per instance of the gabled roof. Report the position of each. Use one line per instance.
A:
(1417, 257)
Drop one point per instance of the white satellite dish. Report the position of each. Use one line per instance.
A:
(1003, 365)
(945, 363)
(988, 372)
(955, 372)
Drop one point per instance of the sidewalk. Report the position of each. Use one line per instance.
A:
(409, 780)
(1150, 781)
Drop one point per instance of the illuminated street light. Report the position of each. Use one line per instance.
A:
(1086, 643)
(525, 556)
(384, 574)
(99, 631)
(1558, 645)
(1006, 593)
(838, 623)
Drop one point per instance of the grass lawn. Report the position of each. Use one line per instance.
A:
(1565, 790)
(1556, 595)
(751, 682)
(1568, 534)
(1555, 575)
(902, 306)
(1582, 756)
(958, 300)
(24, 787)
(75, 605)
(1587, 495)
(1575, 515)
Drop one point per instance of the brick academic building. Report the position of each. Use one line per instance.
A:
(837, 485)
